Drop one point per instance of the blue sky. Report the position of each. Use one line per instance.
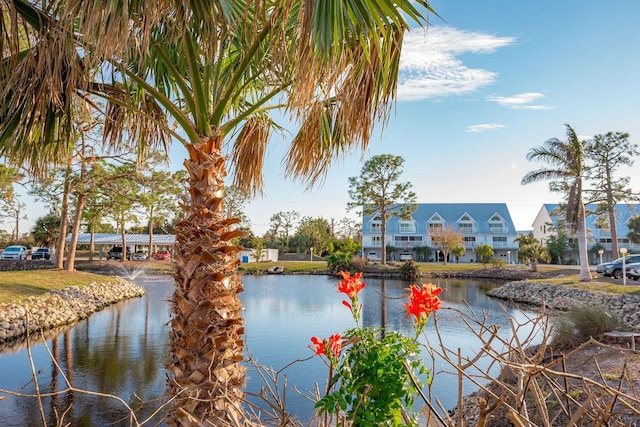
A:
(487, 81)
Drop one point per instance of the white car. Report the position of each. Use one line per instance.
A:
(14, 252)
(373, 256)
(139, 256)
(406, 256)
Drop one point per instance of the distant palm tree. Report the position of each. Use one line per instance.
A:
(531, 251)
(566, 167)
(216, 70)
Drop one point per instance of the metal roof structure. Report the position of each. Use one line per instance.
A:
(116, 239)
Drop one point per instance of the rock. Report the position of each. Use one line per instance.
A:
(61, 307)
(563, 298)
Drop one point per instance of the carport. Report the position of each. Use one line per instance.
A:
(100, 240)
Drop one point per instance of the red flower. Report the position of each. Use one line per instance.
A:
(423, 302)
(351, 285)
(318, 345)
(334, 344)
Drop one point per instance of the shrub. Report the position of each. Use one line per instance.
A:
(358, 263)
(497, 263)
(582, 323)
(339, 261)
(373, 373)
(410, 271)
(593, 321)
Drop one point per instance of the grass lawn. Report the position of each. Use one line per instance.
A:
(17, 285)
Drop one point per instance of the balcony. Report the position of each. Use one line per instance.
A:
(498, 229)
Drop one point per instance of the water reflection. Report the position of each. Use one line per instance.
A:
(122, 349)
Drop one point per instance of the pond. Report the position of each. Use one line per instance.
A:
(122, 349)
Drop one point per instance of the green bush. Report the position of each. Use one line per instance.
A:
(339, 261)
(593, 321)
(582, 323)
(410, 271)
(497, 263)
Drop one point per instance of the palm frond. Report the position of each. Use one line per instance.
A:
(248, 154)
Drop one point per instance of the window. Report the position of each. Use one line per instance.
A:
(407, 226)
(435, 227)
(465, 227)
(469, 241)
(376, 227)
(376, 240)
(402, 241)
(499, 241)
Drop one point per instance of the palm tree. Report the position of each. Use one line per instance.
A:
(531, 251)
(566, 167)
(216, 70)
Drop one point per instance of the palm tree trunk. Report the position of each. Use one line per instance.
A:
(583, 254)
(207, 325)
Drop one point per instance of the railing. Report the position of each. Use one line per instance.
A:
(496, 229)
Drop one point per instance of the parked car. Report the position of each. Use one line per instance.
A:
(373, 256)
(614, 268)
(116, 253)
(41, 253)
(633, 270)
(139, 256)
(162, 256)
(406, 256)
(14, 252)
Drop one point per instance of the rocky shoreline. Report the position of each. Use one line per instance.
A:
(62, 307)
(563, 298)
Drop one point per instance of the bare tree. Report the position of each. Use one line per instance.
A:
(446, 239)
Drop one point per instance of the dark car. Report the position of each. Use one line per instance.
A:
(116, 253)
(41, 253)
(614, 268)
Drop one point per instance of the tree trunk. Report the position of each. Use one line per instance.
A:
(207, 327)
(150, 251)
(613, 228)
(383, 237)
(583, 254)
(71, 254)
(92, 245)
(123, 236)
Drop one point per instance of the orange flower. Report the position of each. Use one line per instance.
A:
(423, 302)
(334, 344)
(351, 285)
(318, 345)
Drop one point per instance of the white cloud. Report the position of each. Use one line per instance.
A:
(521, 101)
(429, 66)
(484, 127)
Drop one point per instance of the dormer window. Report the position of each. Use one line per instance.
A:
(436, 223)
(407, 226)
(497, 224)
(375, 225)
(466, 224)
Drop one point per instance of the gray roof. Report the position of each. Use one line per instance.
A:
(116, 239)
